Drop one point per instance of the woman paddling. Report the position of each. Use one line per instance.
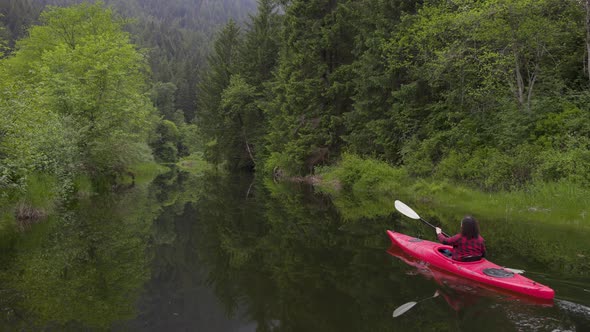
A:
(467, 245)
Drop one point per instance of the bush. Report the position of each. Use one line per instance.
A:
(572, 165)
(418, 156)
(366, 176)
(489, 168)
(166, 143)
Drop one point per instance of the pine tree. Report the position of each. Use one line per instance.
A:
(222, 63)
(312, 89)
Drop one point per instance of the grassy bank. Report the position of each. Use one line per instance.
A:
(31, 202)
(40, 193)
(147, 172)
(560, 203)
(546, 222)
(194, 164)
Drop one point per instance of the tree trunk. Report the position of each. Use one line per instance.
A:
(519, 80)
(246, 140)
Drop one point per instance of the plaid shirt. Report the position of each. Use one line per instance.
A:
(463, 247)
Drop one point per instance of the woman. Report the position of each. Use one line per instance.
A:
(467, 245)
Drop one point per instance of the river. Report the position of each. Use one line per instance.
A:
(235, 253)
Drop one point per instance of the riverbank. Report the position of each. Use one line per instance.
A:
(545, 222)
(561, 203)
(41, 193)
(194, 164)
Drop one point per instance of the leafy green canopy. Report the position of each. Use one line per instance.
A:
(74, 95)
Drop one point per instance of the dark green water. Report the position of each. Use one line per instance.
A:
(214, 253)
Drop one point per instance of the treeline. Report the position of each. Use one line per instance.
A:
(493, 93)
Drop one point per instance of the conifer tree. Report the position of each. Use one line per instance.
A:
(312, 89)
(222, 64)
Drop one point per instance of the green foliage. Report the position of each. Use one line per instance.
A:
(74, 96)
(231, 93)
(460, 67)
(163, 98)
(259, 53)
(40, 191)
(166, 141)
(311, 90)
(195, 164)
(243, 122)
(176, 33)
(571, 164)
(222, 65)
(281, 161)
(145, 173)
(366, 177)
(490, 169)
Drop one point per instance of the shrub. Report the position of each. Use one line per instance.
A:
(366, 176)
(572, 165)
(418, 156)
(489, 168)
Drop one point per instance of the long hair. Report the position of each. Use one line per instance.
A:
(469, 227)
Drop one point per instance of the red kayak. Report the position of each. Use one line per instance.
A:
(460, 292)
(482, 271)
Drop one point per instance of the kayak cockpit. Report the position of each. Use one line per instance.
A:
(447, 252)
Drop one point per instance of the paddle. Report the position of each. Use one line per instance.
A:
(407, 306)
(517, 271)
(408, 212)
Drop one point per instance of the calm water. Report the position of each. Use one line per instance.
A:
(232, 253)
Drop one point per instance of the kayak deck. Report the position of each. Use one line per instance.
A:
(429, 252)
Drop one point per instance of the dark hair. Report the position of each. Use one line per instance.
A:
(469, 227)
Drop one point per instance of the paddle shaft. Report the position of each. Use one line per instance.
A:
(408, 212)
(431, 225)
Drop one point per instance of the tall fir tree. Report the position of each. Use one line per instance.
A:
(312, 88)
(222, 63)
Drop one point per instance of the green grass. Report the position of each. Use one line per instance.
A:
(40, 191)
(147, 172)
(369, 187)
(83, 185)
(194, 164)
(551, 203)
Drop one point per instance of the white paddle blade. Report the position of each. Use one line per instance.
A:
(403, 308)
(406, 210)
(517, 271)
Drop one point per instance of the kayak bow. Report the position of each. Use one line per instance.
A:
(482, 271)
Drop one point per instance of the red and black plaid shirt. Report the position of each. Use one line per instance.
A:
(464, 247)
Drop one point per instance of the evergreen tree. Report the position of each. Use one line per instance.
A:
(222, 63)
(259, 55)
(312, 89)
(374, 125)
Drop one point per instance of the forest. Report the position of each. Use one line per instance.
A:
(491, 94)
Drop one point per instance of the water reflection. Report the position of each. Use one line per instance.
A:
(83, 267)
(234, 253)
